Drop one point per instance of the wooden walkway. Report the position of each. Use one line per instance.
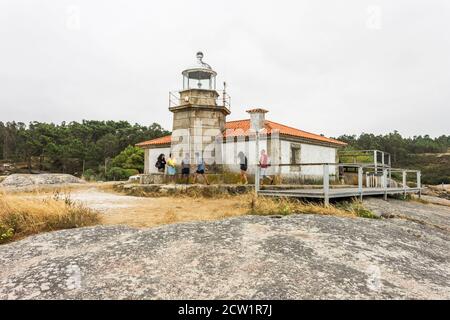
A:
(327, 191)
(335, 193)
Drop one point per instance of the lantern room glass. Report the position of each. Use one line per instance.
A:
(199, 80)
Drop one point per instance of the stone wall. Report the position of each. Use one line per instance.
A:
(197, 123)
(159, 190)
(152, 178)
(214, 178)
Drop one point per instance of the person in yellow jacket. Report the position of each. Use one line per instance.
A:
(171, 169)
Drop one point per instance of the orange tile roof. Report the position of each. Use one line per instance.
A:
(157, 141)
(242, 128)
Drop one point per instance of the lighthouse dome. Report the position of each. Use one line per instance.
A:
(199, 76)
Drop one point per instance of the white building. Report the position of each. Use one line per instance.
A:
(200, 126)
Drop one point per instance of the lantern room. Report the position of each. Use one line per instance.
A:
(200, 76)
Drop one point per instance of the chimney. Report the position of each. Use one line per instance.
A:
(257, 118)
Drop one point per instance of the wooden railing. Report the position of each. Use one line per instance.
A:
(368, 168)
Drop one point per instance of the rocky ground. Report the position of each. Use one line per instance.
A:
(24, 180)
(442, 191)
(291, 257)
(433, 215)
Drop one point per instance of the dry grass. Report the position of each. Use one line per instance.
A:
(285, 206)
(151, 212)
(34, 212)
(420, 200)
(195, 191)
(41, 189)
(410, 197)
(170, 216)
(50, 189)
(20, 216)
(413, 197)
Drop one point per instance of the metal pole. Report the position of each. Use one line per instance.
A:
(360, 183)
(224, 94)
(404, 183)
(375, 160)
(257, 177)
(389, 177)
(385, 183)
(383, 163)
(326, 185)
(419, 184)
(390, 169)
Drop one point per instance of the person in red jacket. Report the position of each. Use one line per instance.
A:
(264, 163)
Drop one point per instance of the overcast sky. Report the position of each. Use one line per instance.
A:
(324, 66)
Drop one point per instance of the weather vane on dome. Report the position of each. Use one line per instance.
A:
(200, 60)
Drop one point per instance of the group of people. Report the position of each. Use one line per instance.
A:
(264, 164)
(171, 163)
(161, 164)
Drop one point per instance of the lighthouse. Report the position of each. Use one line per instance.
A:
(201, 130)
(199, 113)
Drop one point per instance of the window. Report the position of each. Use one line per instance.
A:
(295, 156)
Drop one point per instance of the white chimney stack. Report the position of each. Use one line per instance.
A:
(257, 118)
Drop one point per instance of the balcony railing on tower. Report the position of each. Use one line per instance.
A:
(192, 97)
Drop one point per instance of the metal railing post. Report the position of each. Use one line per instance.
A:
(326, 185)
(375, 160)
(257, 169)
(385, 183)
(419, 184)
(360, 182)
(390, 177)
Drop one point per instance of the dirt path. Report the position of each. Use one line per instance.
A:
(121, 209)
(147, 212)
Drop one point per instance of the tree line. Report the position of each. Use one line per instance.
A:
(105, 149)
(430, 155)
(73, 147)
(396, 145)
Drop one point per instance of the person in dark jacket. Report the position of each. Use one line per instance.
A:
(186, 168)
(243, 163)
(161, 163)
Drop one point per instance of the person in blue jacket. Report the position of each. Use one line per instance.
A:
(201, 168)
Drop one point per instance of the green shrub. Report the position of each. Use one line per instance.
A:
(89, 174)
(357, 208)
(130, 158)
(6, 233)
(117, 173)
(131, 172)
